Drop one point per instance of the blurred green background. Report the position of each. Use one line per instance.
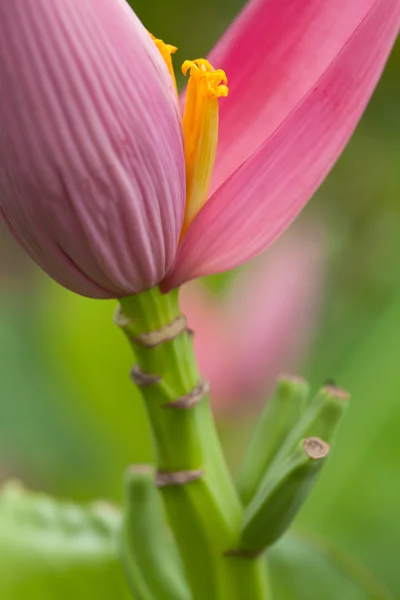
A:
(70, 420)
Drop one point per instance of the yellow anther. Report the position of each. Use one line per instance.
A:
(216, 79)
(200, 131)
(166, 50)
(200, 125)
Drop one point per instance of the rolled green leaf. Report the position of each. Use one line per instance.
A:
(277, 502)
(150, 557)
(278, 418)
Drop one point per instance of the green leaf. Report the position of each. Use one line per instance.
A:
(54, 550)
(307, 569)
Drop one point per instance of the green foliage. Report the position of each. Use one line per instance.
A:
(357, 498)
(58, 550)
(304, 568)
(40, 439)
(93, 363)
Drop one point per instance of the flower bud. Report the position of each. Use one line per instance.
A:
(92, 180)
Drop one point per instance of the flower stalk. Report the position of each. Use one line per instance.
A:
(201, 502)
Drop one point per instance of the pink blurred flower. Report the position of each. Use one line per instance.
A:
(102, 185)
(263, 325)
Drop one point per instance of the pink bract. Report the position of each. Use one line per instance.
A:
(300, 75)
(91, 156)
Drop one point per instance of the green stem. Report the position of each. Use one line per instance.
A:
(205, 514)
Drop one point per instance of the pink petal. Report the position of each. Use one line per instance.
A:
(262, 197)
(273, 54)
(264, 325)
(91, 156)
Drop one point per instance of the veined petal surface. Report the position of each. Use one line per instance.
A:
(264, 194)
(92, 179)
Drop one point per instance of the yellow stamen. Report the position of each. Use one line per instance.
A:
(166, 50)
(200, 125)
(200, 131)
